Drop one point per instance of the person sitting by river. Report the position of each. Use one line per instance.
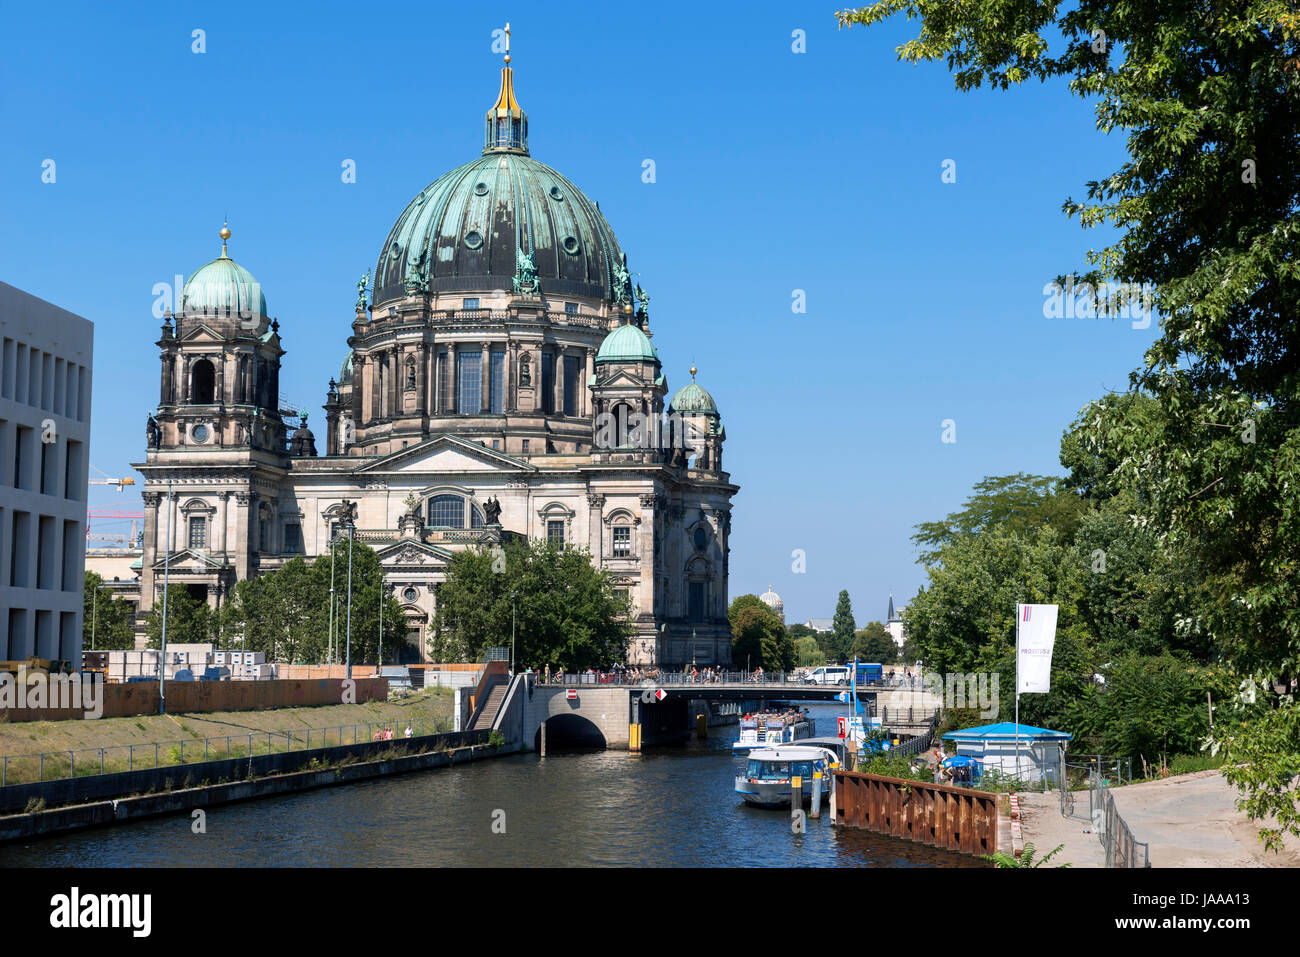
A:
(409, 732)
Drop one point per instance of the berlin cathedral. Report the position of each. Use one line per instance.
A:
(502, 330)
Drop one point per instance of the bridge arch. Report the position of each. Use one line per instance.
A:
(570, 732)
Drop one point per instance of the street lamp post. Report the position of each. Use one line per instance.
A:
(379, 668)
(330, 641)
(351, 529)
(162, 656)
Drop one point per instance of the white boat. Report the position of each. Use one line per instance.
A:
(769, 774)
(768, 729)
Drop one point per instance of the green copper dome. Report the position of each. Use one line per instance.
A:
(693, 398)
(627, 344)
(345, 373)
(466, 231)
(223, 288)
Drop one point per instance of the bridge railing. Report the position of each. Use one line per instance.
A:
(656, 677)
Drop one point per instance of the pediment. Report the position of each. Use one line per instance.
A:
(413, 553)
(622, 379)
(203, 333)
(188, 559)
(447, 455)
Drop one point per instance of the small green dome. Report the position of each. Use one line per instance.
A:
(223, 288)
(627, 344)
(693, 398)
(345, 373)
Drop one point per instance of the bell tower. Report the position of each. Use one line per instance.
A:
(220, 378)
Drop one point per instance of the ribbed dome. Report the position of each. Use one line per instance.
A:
(223, 288)
(464, 231)
(345, 373)
(627, 344)
(693, 398)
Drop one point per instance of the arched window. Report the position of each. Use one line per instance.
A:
(447, 511)
(202, 382)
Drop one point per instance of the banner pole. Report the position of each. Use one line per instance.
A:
(1017, 691)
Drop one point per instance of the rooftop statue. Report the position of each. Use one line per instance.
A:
(362, 283)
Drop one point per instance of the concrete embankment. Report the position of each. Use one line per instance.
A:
(230, 781)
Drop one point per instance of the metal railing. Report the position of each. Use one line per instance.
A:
(57, 765)
(657, 677)
(1121, 847)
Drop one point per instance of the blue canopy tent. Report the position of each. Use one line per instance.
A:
(1041, 752)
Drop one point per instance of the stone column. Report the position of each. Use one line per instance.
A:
(221, 380)
(559, 380)
(221, 527)
(150, 552)
(453, 375)
(395, 382)
(584, 389)
(645, 530)
(185, 379)
(512, 374)
(421, 373)
(165, 381)
(245, 510)
(596, 533)
(485, 378)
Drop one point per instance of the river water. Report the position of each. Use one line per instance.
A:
(672, 807)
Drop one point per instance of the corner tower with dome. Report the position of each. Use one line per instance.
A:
(497, 334)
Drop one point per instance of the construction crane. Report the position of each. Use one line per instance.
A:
(109, 480)
(128, 541)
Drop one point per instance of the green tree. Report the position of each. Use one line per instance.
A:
(567, 612)
(189, 620)
(807, 653)
(874, 643)
(758, 636)
(843, 629)
(108, 620)
(1208, 94)
(285, 613)
(1016, 503)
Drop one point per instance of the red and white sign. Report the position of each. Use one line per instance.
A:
(843, 725)
(661, 694)
(571, 694)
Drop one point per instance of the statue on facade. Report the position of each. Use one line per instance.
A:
(525, 273)
(348, 512)
(362, 283)
(622, 281)
(492, 511)
(410, 375)
(152, 433)
(643, 298)
(525, 370)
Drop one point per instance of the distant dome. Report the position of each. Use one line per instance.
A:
(223, 288)
(773, 601)
(345, 373)
(627, 344)
(693, 398)
(303, 441)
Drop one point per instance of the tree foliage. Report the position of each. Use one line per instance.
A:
(567, 613)
(107, 625)
(843, 629)
(873, 643)
(1204, 211)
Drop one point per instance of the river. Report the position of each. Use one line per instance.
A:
(673, 807)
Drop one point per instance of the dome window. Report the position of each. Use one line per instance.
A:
(473, 240)
(481, 189)
(410, 594)
(571, 245)
(557, 194)
(396, 251)
(701, 539)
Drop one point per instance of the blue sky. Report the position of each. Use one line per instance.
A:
(775, 171)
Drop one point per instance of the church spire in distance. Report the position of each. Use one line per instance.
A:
(506, 129)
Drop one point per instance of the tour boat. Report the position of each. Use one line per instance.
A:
(772, 728)
(767, 781)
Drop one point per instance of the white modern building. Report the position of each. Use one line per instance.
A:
(45, 358)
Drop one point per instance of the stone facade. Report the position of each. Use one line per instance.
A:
(468, 408)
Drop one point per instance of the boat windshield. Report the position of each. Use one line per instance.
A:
(778, 770)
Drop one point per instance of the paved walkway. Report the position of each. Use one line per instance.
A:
(1189, 821)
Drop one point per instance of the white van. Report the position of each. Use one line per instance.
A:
(832, 675)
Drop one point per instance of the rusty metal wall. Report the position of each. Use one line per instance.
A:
(955, 819)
